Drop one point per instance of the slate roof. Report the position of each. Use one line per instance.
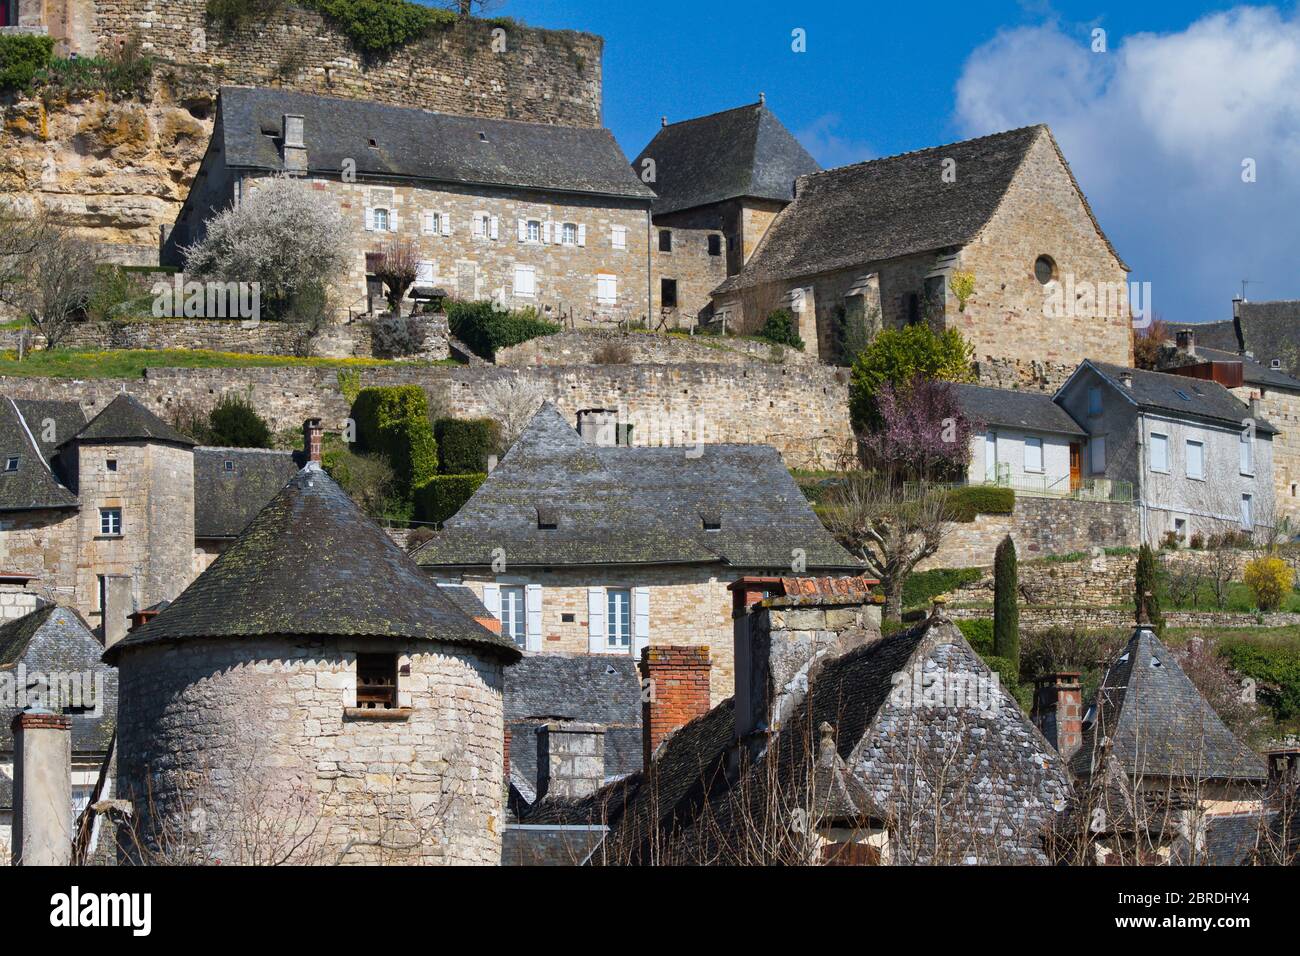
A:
(1150, 719)
(1231, 839)
(1253, 372)
(1270, 330)
(226, 501)
(621, 505)
(741, 152)
(312, 563)
(67, 418)
(1009, 408)
(1177, 395)
(420, 144)
(1217, 335)
(126, 419)
(891, 207)
(32, 484)
(56, 639)
(523, 845)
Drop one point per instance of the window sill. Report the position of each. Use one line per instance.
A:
(109, 537)
(377, 714)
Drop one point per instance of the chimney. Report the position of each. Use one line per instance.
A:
(663, 121)
(1254, 405)
(677, 679)
(1058, 710)
(570, 759)
(312, 436)
(600, 426)
(1126, 378)
(1236, 306)
(119, 605)
(1186, 341)
(42, 801)
(141, 618)
(295, 149)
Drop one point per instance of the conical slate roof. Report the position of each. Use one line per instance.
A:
(312, 563)
(1149, 718)
(125, 419)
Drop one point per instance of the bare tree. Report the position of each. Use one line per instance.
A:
(46, 273)
(512, 402)
(891, 527)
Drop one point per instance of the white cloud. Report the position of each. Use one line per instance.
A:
(1156, 131)
(830, 147)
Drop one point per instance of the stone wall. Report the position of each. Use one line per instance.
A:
(1090, 617)
(801, 411)
(592, 346)
(687, 262)
(246, 742)
(1040, 527)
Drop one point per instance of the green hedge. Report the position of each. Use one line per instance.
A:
(443, 495)
(21, 56)
(1009, 677)
(485, 330)
(971, 500)
(1274, 667)
(464, 445)
(923, 586)
(780, 328)
(978, 633)
(393, 421)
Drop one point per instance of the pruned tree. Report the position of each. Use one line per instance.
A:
(892, 527)
(920, 432)
(397, 267)
(1006, 610)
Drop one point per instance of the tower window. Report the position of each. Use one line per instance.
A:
(110, 521)
(377, 681)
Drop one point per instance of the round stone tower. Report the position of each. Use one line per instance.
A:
(312, 697)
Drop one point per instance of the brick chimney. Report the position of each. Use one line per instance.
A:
(677, 691)
(1186, 341)
(42, 801)
(570, 759)
(312, 438)
(1058, 710)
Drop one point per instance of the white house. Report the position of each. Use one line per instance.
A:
(1022, 440)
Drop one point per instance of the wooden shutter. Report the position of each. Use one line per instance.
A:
(392, 220)
(533, 611)
(426, 225)
(492, 599)
(582, 234)
(445, 220)
(370, 219)
(640, 620)
(523, 230)
(596, 620)
(494, 227)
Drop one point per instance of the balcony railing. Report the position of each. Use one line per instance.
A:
(1045, 486)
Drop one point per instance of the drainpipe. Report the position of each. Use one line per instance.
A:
(649, 272)
(1141, 485)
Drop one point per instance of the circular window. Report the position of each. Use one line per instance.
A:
(1045, 269)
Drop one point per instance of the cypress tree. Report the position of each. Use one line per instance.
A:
(1144, 589)
(1006, 612)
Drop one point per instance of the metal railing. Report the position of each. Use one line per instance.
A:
(1044, 486)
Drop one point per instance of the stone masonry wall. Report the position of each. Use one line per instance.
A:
(42, 543)
(689, 264)
(586, 346)
(251, 735)
(798, 410)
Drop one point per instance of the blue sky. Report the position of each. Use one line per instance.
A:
(1156, 127)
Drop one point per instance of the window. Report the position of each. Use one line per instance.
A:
(607, 289)
(1034, 455)
(533, 230)
(513, 615)
(11, 463)
(1044, 269)
(715, 245)
(1247, 517)
(228, 465)
(377, 681)
(1247, 454)
(668, 293)
(618, 618)
(525, 281)
(569, 234)
(665, 240)
(110, 521)
(1097, 452)
(618, 237)
(990, 456)
(111, 464)
(912, 308)
(101, 592)
(1180, 529)
(381, 220)
(1195, 459)
(1159, 452)
(485, 226)
(1094, 401)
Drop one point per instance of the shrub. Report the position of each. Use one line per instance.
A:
(1275, 667)
(612, 353)
(21, 56)
(119, 295)
(124, 72)
(368, 479)
(234, 423)
(378, 26)
(967, 501)
(978, 633)
(1269, 580)
(1006, 609)
(899, 356)
(922, 587)
(1008, 672)
(464, 445)
(233, 14)
(780, 329)
(485, 330)
(393, 421)
(443, 495)
(191, 419)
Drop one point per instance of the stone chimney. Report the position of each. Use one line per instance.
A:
(1186, 341)
(42, 814)
(119, 605)
(600, 426)
(1058, 710)
(312, 438)
(782, 638)
(1126, 378)
(1254, 405)
(570, 759)
(295, 148)
(676, 691)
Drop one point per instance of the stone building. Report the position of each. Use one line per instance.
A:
(527, 214)
(719, 181)
(313, 696)
(584, 548)
(877, 244)
(840, 747)
(71, 23)
(1197, 459)
(49, 660)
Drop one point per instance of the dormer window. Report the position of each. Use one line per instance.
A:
(228, 465)
(11, 463)
(711, 520)
(373, 144)
(546, 519)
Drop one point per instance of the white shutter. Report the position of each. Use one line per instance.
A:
(523, 230)
(478, 226)
(533, 607)
(445, 219)
(596, 620)
(424, 272)
(494, 227)
(492, 599)
(640, 620)
(426, 223)
(370, 219)
(546, 231)
(618, 236)
(582, 234)
(392, 220)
